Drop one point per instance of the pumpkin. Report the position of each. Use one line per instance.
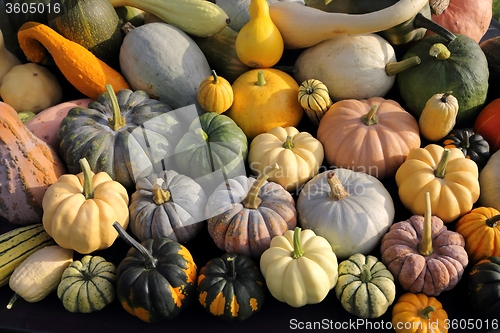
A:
(87, 73)
(299, 267)
(373, 136)
(215, 94)
(157, 278)
(449, 177)
(459, 66)
(78, 210)
(351, 209)
(423, 255)
(365, 286)
(213, 149)
(231, 287)
(298, 154)
(414, 313)
(489, 181)
(472, 144)
(257, 92)
(244, 213)
(484, 283)
(87, 285)
(315, 99)
(167, 205)
(487, 122)
(125, 135)
(28, 167)
(438, 116)
(7, 59)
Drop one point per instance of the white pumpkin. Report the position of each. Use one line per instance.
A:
(351, 209)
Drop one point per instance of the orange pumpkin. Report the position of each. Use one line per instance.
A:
(372, 135)
(487, 124)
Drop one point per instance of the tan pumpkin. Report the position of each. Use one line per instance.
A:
(215, 94)
(373, 135)
(315, 99)
(438, 116)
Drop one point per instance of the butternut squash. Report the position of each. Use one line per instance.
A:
(303, 26)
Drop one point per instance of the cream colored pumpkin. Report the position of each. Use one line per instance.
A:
(438, 117)
(298, 154)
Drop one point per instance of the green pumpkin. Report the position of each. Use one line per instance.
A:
(157, 278)
(463, 71)
(484, 287)
(127, 139)
(168, 205)
(472, 144)
(87, 285)
(231, 287)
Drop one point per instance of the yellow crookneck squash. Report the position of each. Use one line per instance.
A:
(79, 210)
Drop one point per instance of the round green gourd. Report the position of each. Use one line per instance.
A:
(484, 287)
(87, 285)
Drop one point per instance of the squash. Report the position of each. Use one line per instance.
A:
(373, 136)
(28, 167)
(134, 16)
(157, 278)
(414, 313)
(483, 285)
(39, 90)
(304, 26)
(352, 210)
(489, 181)
(39, 274)
(438, 116)
(256, 94)
(7, 59)
(487, 122)
(365, 287)
(472, 144)
(299, 267)
(93, 24)
(215, 94)
(87, 73)
(481, 231)
(171, 70)
(451, 179)
(87, 285)
(244, 213)
(167, 205)
(315, 99)
(231, 287)
(125, 135)
(78, 210)
(298, 154)
(259, 43)
(423, 255)
(205, 17)
(459, 66)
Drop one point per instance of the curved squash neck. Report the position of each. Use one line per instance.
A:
(40, 41)
(258, 8)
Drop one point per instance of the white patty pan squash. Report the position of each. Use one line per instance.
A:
(298, 154)
(351, 209)
(299, 267)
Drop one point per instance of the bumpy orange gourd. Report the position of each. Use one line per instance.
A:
(82, 69)
(215, 94)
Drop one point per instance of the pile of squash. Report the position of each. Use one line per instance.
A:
(322, 152)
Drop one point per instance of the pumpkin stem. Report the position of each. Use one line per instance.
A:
(160, 196)
(12, 300)
(215, 77)
(466, 140)
(439, 51)
(443, 163)
(252, 200)
(493, 221)
(338, 191)
(297, 247)
(117, 121)
(371, 117)
(425, 245)
(366, 274)
(395, 67)
(426, 312)
(149, 260)
(87, 178)
(420, 21)
(231, 271)
(444, 97)
(288, 142)
(438, 6)
(261, 81)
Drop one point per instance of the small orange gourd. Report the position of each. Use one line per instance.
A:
(414, 313)
(215, 94)
(82, 69)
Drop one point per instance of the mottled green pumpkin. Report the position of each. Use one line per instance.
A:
(231, 287)
(484, 287)
(87, 285)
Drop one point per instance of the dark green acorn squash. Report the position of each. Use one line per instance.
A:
(157, 278)
(127, 135)
(231, 287)
(472, 144)
(484, 287)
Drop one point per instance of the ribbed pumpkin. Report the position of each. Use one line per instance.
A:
(484, 287)
(472, 144)
(215, 94)
(372, 136)
(315, 99)
(245, 213)
(438, 116)
(231, 287)
(157, 278)
(167, 204)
